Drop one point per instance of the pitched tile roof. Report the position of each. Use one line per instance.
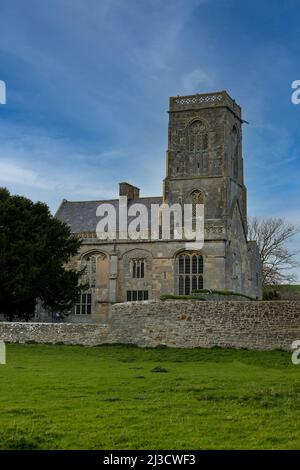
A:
(81, 215)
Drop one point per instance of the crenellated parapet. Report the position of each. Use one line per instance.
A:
(205, 100)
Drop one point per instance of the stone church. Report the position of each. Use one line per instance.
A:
(204, 165)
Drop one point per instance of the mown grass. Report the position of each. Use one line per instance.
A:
(115, 397)
(290, 287)
(290, 291)
(283, 292)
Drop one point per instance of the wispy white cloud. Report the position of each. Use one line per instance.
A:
(198, 79)
(11, 172)
(41, 166)
(51, 181)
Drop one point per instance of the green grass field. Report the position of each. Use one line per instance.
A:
(286, 291)
(289, 289)
(72, 397)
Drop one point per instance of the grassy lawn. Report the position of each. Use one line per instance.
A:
(290, 288)
(287, 291)
(72, 397)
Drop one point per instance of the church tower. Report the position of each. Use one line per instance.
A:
(204, 156)
(205, 166)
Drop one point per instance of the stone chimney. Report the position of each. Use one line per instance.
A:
(126, 189)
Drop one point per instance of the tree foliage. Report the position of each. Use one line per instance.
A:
(34, 250)
(272, 236)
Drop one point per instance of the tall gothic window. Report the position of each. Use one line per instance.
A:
(196, 137)
(138, 268)
(189, 273)
(91, 263)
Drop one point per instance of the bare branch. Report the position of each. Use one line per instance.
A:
(278, 260)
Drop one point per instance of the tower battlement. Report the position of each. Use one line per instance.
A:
(204, 100)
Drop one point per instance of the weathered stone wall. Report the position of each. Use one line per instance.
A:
(183, 324)
(67, 333)
(252, 325)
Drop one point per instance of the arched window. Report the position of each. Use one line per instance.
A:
(197, 197)
(91, 263)
(189, 274)
(196, 138)
(95, 266)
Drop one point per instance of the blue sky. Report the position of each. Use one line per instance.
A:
(88, 83)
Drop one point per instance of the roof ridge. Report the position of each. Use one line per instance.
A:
(107, 200)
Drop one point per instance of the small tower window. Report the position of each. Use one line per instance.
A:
(197, 197)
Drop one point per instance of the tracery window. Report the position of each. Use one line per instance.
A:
(196, 138)
(91, 263)
(197, 197)
(190, 268)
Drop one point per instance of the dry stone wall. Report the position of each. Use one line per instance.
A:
(252, 325)
(56, 333)
(182, 324)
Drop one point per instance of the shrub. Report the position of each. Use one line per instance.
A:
(182, 297)
(271, 294)
(223, 292)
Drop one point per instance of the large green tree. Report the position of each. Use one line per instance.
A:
(35, 248)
